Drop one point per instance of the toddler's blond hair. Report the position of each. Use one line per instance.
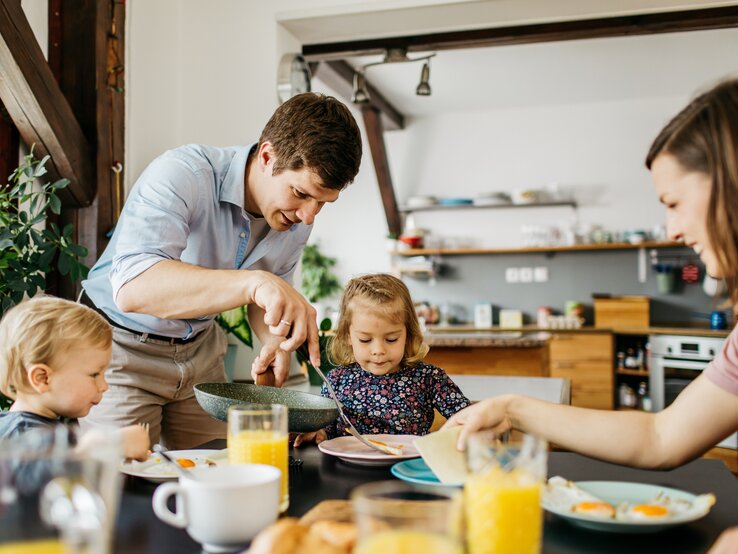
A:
(387, 296)
(36, 330)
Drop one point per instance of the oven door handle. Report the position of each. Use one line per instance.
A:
(676, 363)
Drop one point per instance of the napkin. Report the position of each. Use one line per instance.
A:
(441, 456)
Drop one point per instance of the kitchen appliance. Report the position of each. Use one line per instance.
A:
(674, 362)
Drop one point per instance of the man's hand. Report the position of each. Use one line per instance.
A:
(287, 314)
(317, 437)
(272, 358)
(487, 414)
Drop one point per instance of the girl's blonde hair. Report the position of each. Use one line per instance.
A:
(36, 330)
(389, 298)
(703, 138)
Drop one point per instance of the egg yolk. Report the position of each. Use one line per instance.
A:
(649, 510)
(185, 462)
(600, 509)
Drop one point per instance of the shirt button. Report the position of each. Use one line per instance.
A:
(242, 235)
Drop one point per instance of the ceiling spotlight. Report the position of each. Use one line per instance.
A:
(424, 88)
(360, 94)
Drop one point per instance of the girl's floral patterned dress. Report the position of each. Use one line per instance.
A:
(400, 403)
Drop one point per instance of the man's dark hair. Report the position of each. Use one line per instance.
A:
(316, 132)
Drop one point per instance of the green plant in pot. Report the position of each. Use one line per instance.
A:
(319, 282)
(30, 246)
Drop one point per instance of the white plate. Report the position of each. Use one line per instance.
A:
(157, 469)
(350, 450)
(616, 492)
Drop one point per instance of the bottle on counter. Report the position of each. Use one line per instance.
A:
(644, 400)
(627, 396)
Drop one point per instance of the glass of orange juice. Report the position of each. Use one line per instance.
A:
(393, 517)
(502, 495)
(257, 434)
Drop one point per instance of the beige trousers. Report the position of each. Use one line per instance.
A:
(152, 382)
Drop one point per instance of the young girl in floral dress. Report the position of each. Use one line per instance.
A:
(382, 381)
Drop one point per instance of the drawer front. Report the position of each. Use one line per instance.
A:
(581, 346)
(591, 382)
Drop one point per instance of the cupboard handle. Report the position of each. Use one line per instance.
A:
(563, 365)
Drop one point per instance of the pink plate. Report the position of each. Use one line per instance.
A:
(349, 449)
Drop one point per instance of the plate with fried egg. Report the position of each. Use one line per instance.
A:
(156, 468)
(623, 507)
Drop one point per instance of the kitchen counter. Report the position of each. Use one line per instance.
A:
(506, 333)
(486, 338)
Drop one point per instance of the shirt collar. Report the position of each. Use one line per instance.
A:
(232, 190)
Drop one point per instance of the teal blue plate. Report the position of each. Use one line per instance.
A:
(416, 471)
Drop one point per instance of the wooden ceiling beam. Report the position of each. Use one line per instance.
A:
(375, 136)
(339, 75)
(628, 25)
(38, 108)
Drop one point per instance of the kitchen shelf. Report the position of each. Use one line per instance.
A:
(534, 249)
(441, 207)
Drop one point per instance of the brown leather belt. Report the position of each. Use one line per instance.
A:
(170, 340)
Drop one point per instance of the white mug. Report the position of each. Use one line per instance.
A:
(222, 507)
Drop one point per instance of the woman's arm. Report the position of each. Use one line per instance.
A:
(701, 416)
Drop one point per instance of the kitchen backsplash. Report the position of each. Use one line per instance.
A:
(469, 280)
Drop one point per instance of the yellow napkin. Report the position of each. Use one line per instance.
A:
(440, 454)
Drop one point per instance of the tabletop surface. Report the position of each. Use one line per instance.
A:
(322, 477)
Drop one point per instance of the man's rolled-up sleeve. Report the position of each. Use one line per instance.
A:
(156, 219)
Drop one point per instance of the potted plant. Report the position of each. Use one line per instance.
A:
(326, 364)
(30, 246)
(319, 282)
(235, 322)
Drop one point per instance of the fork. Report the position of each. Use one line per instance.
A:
(350, 426)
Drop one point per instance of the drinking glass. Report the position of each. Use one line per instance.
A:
(393, 517)
(257, 434)
(502, 495)
(55, 495)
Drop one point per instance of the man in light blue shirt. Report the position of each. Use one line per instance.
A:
(205, 230)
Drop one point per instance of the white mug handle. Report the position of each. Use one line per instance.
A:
(159, 503)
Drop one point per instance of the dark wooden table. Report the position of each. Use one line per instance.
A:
(322, 477)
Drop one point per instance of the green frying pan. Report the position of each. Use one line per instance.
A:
(307, 412)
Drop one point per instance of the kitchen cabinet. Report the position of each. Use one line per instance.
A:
(585, 359)
(491, 360)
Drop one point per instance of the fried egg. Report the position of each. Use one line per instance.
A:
(564, 496)
(595, 509)
(160, 467)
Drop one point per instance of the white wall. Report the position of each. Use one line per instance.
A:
(206, 72)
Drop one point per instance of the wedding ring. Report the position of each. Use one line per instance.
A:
(285, 322)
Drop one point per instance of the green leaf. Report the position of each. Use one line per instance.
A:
(60, 184)
(64, 263)
(235, 321)
(78, 250)
(5, 243)
(45, 259)
(55, 204)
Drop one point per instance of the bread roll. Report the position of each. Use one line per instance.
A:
(288, 536)
(282, 537)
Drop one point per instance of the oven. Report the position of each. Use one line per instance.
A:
(675, 361)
